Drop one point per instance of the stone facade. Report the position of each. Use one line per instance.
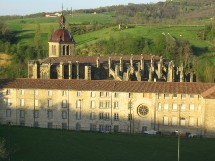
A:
(99, 106)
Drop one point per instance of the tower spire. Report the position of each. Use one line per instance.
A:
(62, 19)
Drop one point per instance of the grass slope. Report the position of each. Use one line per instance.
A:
(55, 145)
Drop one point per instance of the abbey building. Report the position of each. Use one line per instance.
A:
(129, 94)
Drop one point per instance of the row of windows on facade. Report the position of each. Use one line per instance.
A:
(107, 94)
(181, 107)
(93, 127)
(64, 103)
(64, 114)
(182, 122)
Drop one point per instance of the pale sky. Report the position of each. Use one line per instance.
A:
(23, 7)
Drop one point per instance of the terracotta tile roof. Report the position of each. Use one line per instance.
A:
(110, 85)
(92, 59)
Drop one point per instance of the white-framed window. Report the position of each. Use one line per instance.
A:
(183, 107)
(166, 96)
(8, 102)
(166, 106)
(116, 105)
(174, 120)
(50, 103)
(36, 113)
(107, 116)
(49, 93)
(159, 106)
(116, 94)
(199, 96)
(78, 93)
(36, 103)
(78, 104)
(182, 122)
(36, 92)
(8, 91)
(50, 114)
(107, 128)
(174, 107)
(191, 121)
(64, 114)
(192, 96)
(64, 93)
(22, 102)
(22, 92)
(160, 95)
(183, 96)
(107, 94)
(8, 112)
(107, 104)
(92, 116)
(78, 115)
(199, 107)
(93, 94)
(165, 120)
(101, 128)
(64, 103)
(174, 96)
(116, 116)
(191, 107)
(101, 104)
(92, 104)
(22, 113)
(102, 94)
(101, 116)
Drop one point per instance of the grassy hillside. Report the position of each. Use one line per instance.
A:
(53, 145)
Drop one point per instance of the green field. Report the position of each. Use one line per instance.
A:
(30, 144)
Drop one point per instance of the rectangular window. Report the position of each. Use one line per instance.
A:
(159, 95)
(78, 115)
(183, 96)
(159, 107)
(49, 93)
(165, 120)
(107, 116)
(191, 107)
(192, 96)
(183, 107)
(116, 95)
(166, 96)
(116, 105)
(92, 127)
(107, 128)
(8, 113)
(191, 121)
(102, 94)
(8, 92)
(36, 103)
(129, 117)
(107, 94)
(93, 104)
(101, 116)
(64, 103)
(22, 102)
(64, 93)
(64, 126)
(22, 114)
(64, 114)
(36, 124)
(36, 92)
(50, 114)
(92, 116)
(78, 104)
(108, 104)
(166, 106)
(36, 113)
(130, 95)
(78, 93)
(101, 128)
(101, 104)
(116, 116)
(49, 103)
(182, 122)
(174, 120)
(8, 102)
(174, 96)
(199, 122)
(50, 125)
(93, 94)
(22, 92)
(174, 107)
